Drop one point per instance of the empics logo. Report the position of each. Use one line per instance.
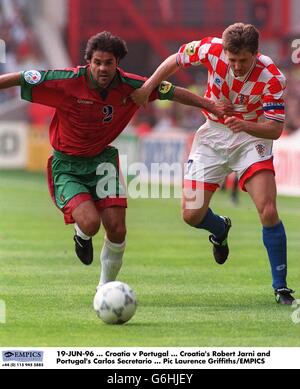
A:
(22, 356)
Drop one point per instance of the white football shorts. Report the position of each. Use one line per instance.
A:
(210, 165)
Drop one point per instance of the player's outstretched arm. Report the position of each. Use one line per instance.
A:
(9, 80)
(164, 71)
(184, 96)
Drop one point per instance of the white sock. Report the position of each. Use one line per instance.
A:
(111, 260)
(80, 233)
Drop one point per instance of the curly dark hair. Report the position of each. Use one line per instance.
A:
(240, 36)
(105, 41)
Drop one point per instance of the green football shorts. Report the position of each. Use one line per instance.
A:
(73, 180)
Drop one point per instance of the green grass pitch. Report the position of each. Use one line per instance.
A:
(184, 297)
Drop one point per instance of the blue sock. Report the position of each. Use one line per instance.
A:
(212, 223)
(274, 239)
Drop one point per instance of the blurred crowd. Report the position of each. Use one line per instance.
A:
(292, 98)
(22, 49)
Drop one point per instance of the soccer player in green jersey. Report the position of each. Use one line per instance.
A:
(92, 107)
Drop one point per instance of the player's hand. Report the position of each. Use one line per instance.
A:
(235, 124)
(140, 97)
(221, 108)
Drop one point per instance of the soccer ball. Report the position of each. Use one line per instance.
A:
(115, 302)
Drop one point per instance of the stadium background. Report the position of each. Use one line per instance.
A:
(36, 257)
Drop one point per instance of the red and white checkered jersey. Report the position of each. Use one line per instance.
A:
(259, 92)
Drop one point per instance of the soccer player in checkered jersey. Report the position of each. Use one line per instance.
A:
(92, 107)
(241, 142)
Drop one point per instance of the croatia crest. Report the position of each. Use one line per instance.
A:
(261, 149)
(243, 99)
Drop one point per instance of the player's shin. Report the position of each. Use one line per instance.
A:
(274, 239)
(212, 223)
(111, 260)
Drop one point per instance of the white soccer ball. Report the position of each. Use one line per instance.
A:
(115, 302)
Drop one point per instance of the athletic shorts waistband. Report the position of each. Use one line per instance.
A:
(71, 158)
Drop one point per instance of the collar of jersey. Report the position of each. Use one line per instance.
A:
(93, 84)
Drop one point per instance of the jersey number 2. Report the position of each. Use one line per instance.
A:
(108, 112)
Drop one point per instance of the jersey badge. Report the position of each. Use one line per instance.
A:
(190, 48)
(261, 149)
(243, 99)
(32, 77)
(218, 81)
(165, 87)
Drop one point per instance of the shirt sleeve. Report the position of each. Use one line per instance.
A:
(42, 87)
(194, 53)
(273, 101)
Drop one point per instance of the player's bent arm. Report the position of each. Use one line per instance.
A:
(184, 96)
(9, 80)
(165, 70)
(268, 129)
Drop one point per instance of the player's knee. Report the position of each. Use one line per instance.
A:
(191, 218)
(116, 232)
(268, 214)
(90, 225)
